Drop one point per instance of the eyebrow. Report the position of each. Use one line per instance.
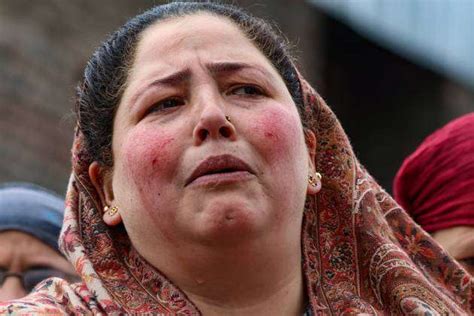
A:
(216, 69)
(222, 68)
(173, 79)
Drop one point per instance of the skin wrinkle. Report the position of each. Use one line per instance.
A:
(180, 80)
(175, 42)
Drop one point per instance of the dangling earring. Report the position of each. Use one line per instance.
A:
(111, 211)
(315, 181)
(319, 176)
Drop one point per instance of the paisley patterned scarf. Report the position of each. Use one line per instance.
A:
(362, 254)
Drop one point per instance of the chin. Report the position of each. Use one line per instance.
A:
(230, 223)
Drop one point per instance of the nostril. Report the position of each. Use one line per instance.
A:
(225, 131)
(203, 134)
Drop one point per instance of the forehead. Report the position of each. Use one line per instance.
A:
(16, 237)
(14, 241)
(199, 35)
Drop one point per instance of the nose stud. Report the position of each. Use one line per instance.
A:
(228, 119)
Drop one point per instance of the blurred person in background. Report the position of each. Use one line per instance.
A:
(30, 221)
(435, 185)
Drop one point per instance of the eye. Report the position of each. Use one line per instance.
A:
(166, 104)
(247, 90)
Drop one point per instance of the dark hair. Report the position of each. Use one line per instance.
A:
(105, 76)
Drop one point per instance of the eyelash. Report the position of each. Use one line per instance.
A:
(163, 106)
(259, 91)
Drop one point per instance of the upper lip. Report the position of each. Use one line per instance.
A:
(215, 164)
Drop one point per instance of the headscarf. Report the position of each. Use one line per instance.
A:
(31, 209)
(361, 252)
(435, 184)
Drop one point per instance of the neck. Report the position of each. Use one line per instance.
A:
(246, 279)
(285, 297)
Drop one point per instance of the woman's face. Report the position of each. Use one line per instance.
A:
(183, 172)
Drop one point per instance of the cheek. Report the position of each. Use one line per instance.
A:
(148, 154)
(147, 168)
(147, 159)
(278, 133)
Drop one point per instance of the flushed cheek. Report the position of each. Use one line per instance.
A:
(148, 162)
(278, 134)
(147, 154)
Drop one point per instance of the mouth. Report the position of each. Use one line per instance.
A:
(223, 168)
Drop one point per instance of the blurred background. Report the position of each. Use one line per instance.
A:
(392, 70)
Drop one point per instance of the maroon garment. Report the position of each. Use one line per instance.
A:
(436, 183)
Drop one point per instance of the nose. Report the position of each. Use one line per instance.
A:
(11, 289)
(213, 124)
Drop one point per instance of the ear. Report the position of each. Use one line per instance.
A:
(311, 145)
(102, 181)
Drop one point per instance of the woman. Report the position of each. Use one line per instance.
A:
(435, 186)
(30, 221)
(197, 187)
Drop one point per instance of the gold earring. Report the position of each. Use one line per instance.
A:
(313, 181)
(227, 117)
(111, 210)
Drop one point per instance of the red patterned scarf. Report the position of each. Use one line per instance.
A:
(361, 252)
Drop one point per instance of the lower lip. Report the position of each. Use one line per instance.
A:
(218, 179)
